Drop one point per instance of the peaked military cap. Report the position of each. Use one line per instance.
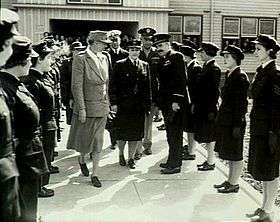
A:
(23, 45)
(161, 37)
(176, 45)
(134, 43)
(114, 34)
(147, 31)
(232, 49)
(8, 18)
(42, 48)
(209, 47)
(187, 50)
(77, 46)
(267, 41)
(189, 43)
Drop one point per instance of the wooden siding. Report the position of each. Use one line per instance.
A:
(6, 3)
(250, 8)
(34, 21)
(126, 3)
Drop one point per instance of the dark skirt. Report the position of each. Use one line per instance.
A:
(262, 165)
(188, 120)
(228, 147)
(204, 130)
(129, 122)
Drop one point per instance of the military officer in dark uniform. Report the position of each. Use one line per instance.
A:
(193, 70)
(206, 102)
(172, 89)
(130, 97)
(65, 80)
(29, 153)
(9, 198)
(264, 147)
(116, 54)
(230, 120)
(149, 55)
(44, 97)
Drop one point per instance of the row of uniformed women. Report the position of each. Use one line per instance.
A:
(25, 114)
(230, 123)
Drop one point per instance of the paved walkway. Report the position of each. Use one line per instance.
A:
(143, 194)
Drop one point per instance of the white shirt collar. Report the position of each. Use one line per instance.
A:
(132, 61)
(117, 51)
(190, 62)
(266, 63)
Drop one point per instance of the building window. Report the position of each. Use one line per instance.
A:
(185, 27)
(97, 2)
(240, 31)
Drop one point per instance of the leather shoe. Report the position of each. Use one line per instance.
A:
(137, 156)
(256, 213)
(224, 184)
(206, 166)
(171, 170)
(84, 169)
(131, 164)
(229, 189)
(187, 156)
(44, 192)
(147, 152)
(53, 169)
(122, 161)
(163, 165)
(95, 181)
(263, 217)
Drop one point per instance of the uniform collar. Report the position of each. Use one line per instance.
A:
(190, 62)
(232, 70)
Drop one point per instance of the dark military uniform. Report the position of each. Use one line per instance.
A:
(66, 94)
(44, 98)
(9, 198)
(114, 58)
(193, 71)
(29, 154)
(206, 101)
(130, 90)
(263, 165)
(172, 88)
(232, 114)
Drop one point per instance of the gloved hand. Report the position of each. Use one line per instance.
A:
(175, 107)
(114, 108)
(211, 116)
(236, 132)
(272, 142)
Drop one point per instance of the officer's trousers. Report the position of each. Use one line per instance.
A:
(174, 134)
(147, 141)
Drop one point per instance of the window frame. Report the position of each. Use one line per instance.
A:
(81, 2)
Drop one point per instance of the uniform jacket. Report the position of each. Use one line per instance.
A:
(43, 96)
(89, 86)
(206, 99)
(172, 78)
(265, 90)
(152, 59)
(29, 152)
(193, 71)
(130, 82)
(8, 168)
(116, 57)
(234, 99)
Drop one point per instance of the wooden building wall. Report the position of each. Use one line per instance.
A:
(244, 8)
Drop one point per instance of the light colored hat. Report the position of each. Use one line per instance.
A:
(99, 36)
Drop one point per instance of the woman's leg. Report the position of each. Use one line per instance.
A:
(210, 153)
(132, 146)
(191, 143)
(121, 145)
(236, 170)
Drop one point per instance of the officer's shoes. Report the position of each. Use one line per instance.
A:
(224, 184)
(44, 192)
(122, 161)
(229, 189)
(84, 169)
(169, 170)
(163, 165)
(131, 164)
(96, 182)
(187, 156)
(147, 152)
(138, 156)
(205, 166)
(53, 169)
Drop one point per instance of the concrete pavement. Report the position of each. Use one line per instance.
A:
(143, 194)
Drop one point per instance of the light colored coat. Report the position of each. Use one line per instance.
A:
(89, 86)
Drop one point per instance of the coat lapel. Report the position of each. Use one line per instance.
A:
(94, 66)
